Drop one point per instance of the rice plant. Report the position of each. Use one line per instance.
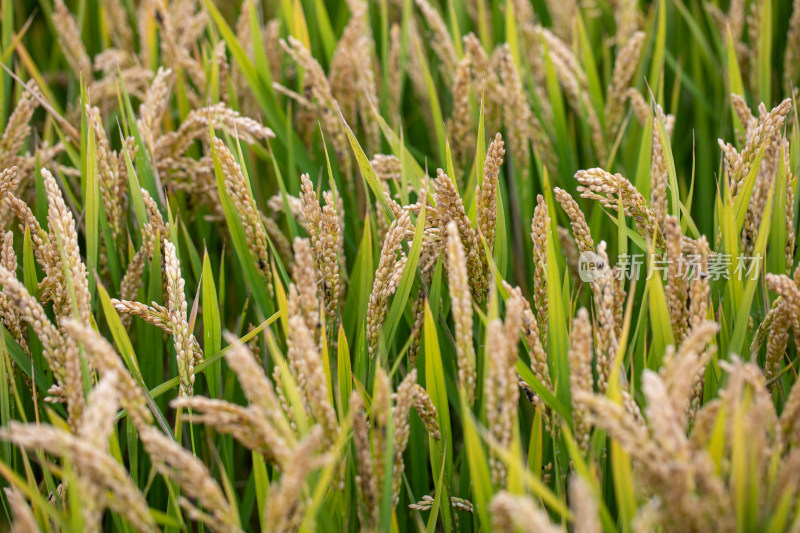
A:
(399, 265)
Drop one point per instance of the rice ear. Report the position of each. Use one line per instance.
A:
(580, 377)
(62, 227)
(540, 226)
(487, 197)
(24, 520)
(390, 268)
(177, 309)
(173, 461)
(108, 363)
(70, 38)
(462, 311)
(512, 513)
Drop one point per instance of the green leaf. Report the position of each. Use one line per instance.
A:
(343, 373)
(441, 450)
(558, 324)
(437, 500)
(91, 204)
(622, 470)
(666, 148)
(360, 283)
(590, 68)
(734, 81)
(260, 85)
(481, 482)
(118, 333)
(659, 319)
(764, 53)
(740, 327)
(657, 62)
(368, 172)
(212, 328)
(433, 98)
(742, 199)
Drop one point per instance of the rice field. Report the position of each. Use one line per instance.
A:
(399, 265)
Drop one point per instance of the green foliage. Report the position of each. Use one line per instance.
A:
(383, 80)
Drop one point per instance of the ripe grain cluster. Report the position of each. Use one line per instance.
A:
(481, 265)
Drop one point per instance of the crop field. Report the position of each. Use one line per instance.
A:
(399, 265)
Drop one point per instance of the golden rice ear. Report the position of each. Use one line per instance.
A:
(487, 204)
(97, 422)
(9, 313)
(540, 226)
(580, 228)
(659, 178)
(460, 125)
(108, 181)
(387, 168)
(352, 76)
(639, 105)
(624, 69)
(450, 207)
(461, 305)
(768, 128)
(699, 288)
(306, 284)
(662, 417)
(685, 374)
(457, 504)
(536, 351)
(605, 297)
(583, 501)
(193, 476)
(65, 248)
(321, 101)
(24, 520)
(790, 57)
(791, 184)
(325, 227)
(306, 361)
(365, 486)
(106, 361)
(574, 83)
(606, 188)
(331, 252)
(522, 125)
(403, 401)
(239, 191)
(69, 36)
(512, 513)
(486, 82)
(626, 20)
(390, 268)
(133, 277)
(152, 233)
(154, 106)
(177, 309)
(580, 376)
(99, 472)
(677, 289)
(16, 132)
(415, 337)
(441, 40)
(501, 388)
(33, 314)
(72, 385)
(284, 508)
